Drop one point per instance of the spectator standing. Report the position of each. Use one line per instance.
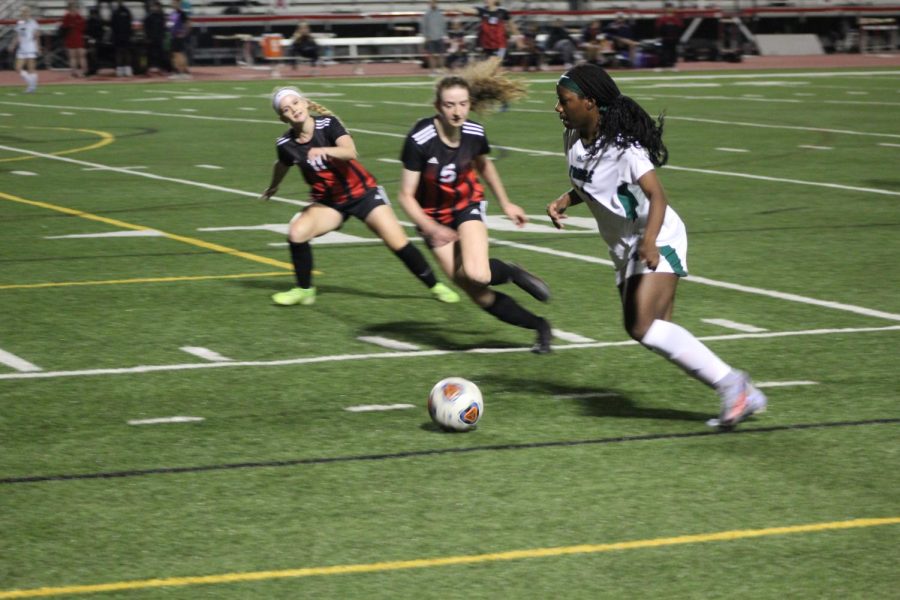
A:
(304, 45)
(492, 31)
(73, 25)
(179, 25)
(457, 49)
(433, 27)
(27, 45)
(94, 33)
(668, 28)
(121, 24)
(155, 35)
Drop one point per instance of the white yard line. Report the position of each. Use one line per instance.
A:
(785, 127)
(416, 354)
(734, 325)
(771, 384)
(569, 336)
(387, 342)
(19, 364)
(204, 353)
(164, 420)
(378, 407)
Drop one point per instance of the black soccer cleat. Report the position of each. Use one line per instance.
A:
(532, 284)
(544, 335)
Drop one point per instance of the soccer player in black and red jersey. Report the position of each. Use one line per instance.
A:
(340, 187)
(443, 157)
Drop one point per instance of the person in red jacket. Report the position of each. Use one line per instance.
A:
(492, 33)
(73, 25)
(668, 27)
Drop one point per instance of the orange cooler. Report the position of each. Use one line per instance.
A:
(271, 45)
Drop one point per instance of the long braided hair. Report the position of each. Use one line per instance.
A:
(623, 121)
(488, 85)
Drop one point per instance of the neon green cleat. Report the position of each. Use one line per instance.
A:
(297, 295)
(444, 294)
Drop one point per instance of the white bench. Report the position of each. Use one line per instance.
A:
(403, 47)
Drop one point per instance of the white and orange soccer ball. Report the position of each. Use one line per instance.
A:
(456, 404)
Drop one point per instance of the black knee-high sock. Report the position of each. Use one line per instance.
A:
(509, 311)
(301, 256)
(500, 272)
(417, 264)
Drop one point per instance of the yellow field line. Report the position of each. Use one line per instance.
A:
(171, 236)
(25, 286)
(105, 139)
(446, 561)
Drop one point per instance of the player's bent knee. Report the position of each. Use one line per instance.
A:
(637, 330)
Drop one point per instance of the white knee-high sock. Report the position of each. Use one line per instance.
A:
(681, 347)
(24, 75)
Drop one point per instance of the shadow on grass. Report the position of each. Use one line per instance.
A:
(599, 401)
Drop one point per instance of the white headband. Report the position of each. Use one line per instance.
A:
(281, 95)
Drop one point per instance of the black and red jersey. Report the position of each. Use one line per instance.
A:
(448, 181)
(492, 31)
(331, 180)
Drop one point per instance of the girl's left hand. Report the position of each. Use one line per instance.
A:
(315, 153)
(649, 253)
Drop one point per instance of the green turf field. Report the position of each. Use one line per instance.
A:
(136, 266)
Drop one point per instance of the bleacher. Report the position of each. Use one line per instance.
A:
(362, 9)
(219, 24)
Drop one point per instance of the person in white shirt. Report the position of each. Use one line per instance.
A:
(27, 44)
(613, 147)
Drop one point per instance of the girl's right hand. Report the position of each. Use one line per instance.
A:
(441, 235)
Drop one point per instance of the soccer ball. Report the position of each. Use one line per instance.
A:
(455, 404)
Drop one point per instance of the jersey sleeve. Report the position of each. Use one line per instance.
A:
(413, 158)
(284, 157)
(334, 130)
(485, 146)
(637, 164)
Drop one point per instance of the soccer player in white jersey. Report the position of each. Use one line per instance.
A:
(27, 45)
(612, 147)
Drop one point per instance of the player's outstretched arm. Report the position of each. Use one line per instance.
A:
(279, 170)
